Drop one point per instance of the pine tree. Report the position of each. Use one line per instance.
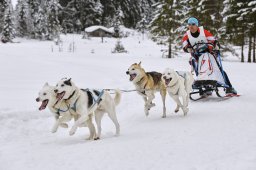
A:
(41, 29)
(79, 14)
(53, 23)
(22, 29)
(108, 13)
(3, 6)
(235, 28)
(252, 26)
(193, 8)
(245, 21)
(8, 30)
(90, 12)
(33, 8)
(169, 23)
(212, 18)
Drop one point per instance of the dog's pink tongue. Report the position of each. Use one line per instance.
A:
(167, 81)
(60, 96)
(43, 105)
(132, 76)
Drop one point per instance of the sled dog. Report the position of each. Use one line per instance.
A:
(60, 110)
(147, 84)
(88, 102)
(178, 84)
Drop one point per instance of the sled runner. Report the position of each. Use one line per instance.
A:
(210, 76)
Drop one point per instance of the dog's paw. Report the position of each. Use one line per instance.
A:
(72, 132)
(146, 111)
(185, 110)
(117, 134)
(96, 138)
(64, 125)
(164, 116)
(54, 130)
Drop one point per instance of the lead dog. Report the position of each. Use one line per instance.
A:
(87, 102)
(178, 84)
(60, 110)
(147, 84)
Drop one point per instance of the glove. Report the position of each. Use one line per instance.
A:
(189, 50)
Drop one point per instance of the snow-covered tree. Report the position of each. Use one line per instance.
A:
(169, 23)
(3, 7)
(212, 18)
(108, 12)
(8, 30)
(53, 24)
(79, 14)
(247, 14)
(33, 8)
(91, 11)
(41, 29)
(21, 10)
(252, 23)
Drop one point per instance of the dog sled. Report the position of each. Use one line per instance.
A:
(210, 76)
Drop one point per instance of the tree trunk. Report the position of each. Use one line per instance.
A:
(250, 49)
(254, 46)
(170, 50)
(242, 53)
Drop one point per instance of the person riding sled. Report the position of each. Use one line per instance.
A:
(204, 49)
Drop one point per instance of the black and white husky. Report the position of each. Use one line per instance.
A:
(88, 102)
(61, 111)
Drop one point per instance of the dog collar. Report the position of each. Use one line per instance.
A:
(140, 80)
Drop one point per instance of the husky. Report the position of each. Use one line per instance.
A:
(60, 110)
(147, 84)
(83, 102)
(178, 84)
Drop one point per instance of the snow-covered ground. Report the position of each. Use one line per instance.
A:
(216, 135)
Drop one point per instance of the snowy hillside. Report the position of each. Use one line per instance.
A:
(215, 134)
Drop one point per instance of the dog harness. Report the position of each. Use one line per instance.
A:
(181, 74)
(94, 96)
(58, 110)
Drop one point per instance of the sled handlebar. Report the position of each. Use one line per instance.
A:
(197, 44)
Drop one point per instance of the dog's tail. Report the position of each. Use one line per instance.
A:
(117, 98)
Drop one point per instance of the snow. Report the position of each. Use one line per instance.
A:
(215, 134)
(14, 2)
(96, 27)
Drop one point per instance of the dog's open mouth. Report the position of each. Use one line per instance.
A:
(132, 76)
(60, 95)
(44, 104)
(167, 81)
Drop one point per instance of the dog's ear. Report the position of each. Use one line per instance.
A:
(139, 63)
(68, 82)
(46, 84)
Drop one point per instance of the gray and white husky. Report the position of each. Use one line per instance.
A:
(88, 102)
